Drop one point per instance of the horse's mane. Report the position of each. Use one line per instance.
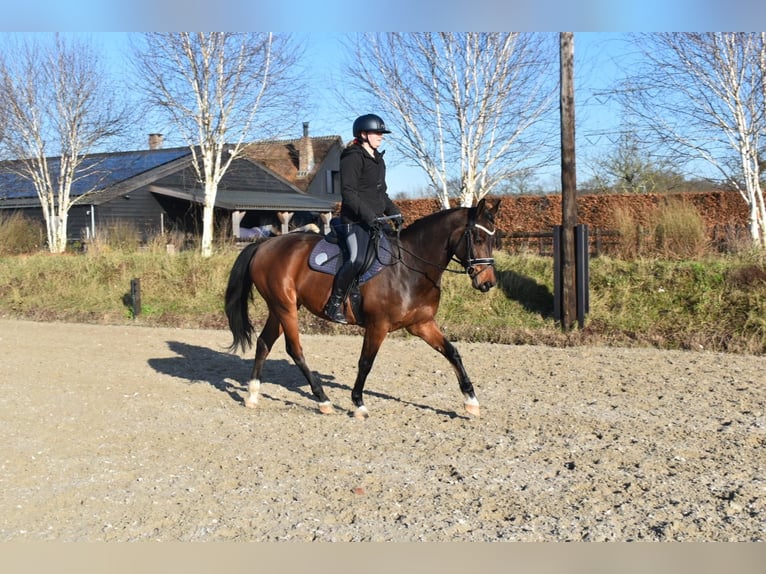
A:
(428, 221)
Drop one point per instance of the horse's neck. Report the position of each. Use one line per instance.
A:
(429, 240)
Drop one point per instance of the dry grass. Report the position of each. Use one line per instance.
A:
(672, 230)
(19, 234)
(679, 231)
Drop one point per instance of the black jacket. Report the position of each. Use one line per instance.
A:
(363, 186)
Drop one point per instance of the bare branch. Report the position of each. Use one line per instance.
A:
(56, 102)
(463, 105)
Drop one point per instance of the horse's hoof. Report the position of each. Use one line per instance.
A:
(472, 406)
(326, 408)
(251, 404)
(361, 413)
(473, 410)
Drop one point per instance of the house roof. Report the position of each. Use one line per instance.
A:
(282, 156)
(97, 172)
(271, 184)
(243, 199)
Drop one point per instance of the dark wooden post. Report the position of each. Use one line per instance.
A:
(568, 182)
(135, 297)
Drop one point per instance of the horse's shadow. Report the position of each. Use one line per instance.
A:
(223, 371)
(533, 296)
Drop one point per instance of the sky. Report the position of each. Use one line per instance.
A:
(597, 25)
(596, 65)
(598, 57)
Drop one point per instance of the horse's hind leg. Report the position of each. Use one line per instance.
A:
(295, 350)
(373, 338)
(432, 335)
(269, 334)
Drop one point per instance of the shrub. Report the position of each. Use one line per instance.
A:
(19, 234)
(672, 230)
(629, 243)
(116, 236)
(679, 231)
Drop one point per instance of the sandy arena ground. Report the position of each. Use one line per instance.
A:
(123, 433)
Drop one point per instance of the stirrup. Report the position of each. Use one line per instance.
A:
(334, 312)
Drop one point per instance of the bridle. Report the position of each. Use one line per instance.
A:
(469, 265)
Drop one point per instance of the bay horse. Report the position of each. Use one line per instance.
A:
(405, 294)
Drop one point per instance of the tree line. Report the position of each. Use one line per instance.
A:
(476, 112)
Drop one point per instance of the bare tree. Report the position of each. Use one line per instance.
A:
(217, 89)
(58, 107)
(702, 96)
(631, 168)
(463, 105)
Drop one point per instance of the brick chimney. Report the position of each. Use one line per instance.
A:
(155, 141)
(305, 153)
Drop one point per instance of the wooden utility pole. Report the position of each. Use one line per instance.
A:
(568, 182)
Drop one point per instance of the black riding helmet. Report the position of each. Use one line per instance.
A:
(369, 123)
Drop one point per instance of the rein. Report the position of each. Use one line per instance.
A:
(471, 261)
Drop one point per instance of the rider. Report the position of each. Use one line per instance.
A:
(364, 198)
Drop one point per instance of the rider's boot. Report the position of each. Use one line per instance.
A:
(334, 307)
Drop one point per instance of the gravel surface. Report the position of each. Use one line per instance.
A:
(123, 433)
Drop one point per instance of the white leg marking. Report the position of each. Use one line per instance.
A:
(473, 401)
(252, 399)
(361, 412)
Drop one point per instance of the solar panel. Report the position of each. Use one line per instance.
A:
(96, 172)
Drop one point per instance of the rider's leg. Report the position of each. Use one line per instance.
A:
(355, 244)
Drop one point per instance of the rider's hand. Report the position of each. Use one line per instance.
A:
(398, 223)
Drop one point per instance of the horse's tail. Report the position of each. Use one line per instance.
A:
(238, 294)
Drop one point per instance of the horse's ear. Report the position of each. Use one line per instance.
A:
(482, 205)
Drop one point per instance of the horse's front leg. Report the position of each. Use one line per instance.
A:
(373, 338)
(431, 334)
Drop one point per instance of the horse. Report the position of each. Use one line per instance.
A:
(404, 294)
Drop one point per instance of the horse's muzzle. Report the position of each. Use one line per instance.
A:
(482, 277)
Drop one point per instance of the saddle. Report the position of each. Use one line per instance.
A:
(327, 257)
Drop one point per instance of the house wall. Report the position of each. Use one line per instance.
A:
(140, 208)
(326, 181)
